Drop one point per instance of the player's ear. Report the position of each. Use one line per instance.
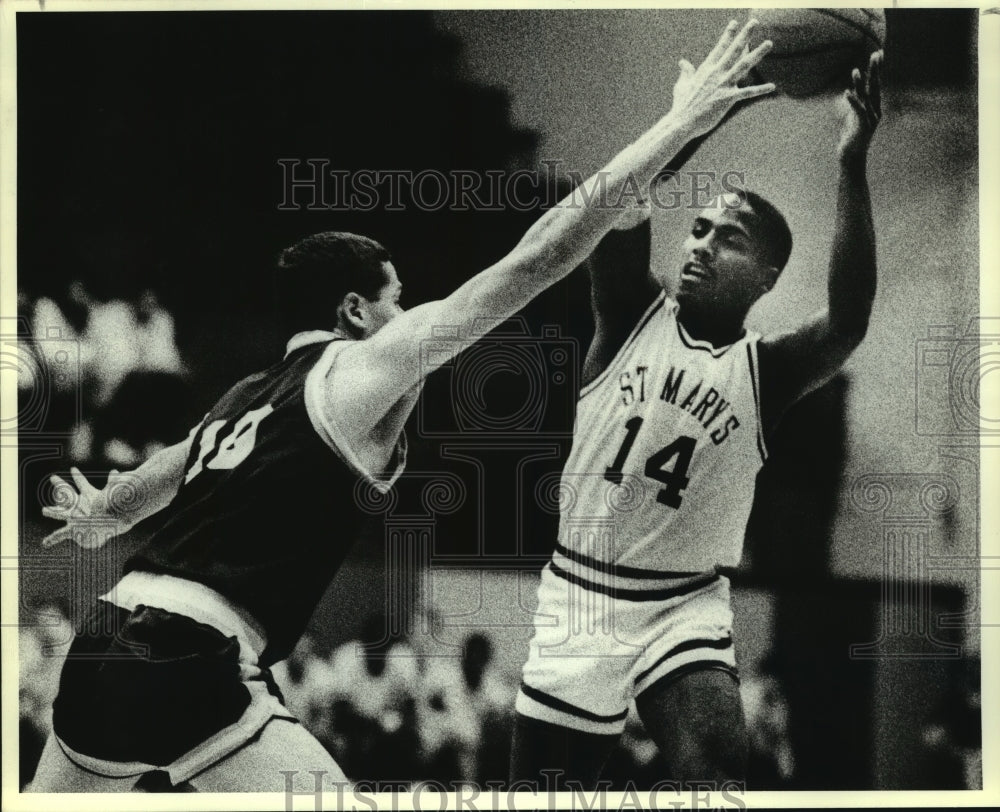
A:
(768, 276)
(352, 315)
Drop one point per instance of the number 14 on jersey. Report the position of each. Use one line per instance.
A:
(674, 480)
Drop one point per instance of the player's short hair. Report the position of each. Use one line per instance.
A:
(772, 228)
(314, 275)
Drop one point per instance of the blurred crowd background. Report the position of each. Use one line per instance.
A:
(148, 217)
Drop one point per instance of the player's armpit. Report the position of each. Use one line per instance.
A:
(795, 363)
(621, 285)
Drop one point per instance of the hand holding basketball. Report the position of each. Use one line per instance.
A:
(864, 111)
(703, 96)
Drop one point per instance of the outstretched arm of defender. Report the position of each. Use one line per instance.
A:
(125, 500)
(797, 362)
(384, 367)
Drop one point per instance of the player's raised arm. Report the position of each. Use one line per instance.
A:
(621, 281)
(794, 363)
(382, 368)
(125, 500)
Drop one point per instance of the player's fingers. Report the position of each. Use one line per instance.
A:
(857, 104)
(752, 91)
(857, 82)
(875, 82)
(736, 47)
(57, 537)
(863, 108)
(54, 512)
(752, 77)
(60, 484)
(749, 61)
(64, 494)
(687, 69)
(723, 44)
(81, 481)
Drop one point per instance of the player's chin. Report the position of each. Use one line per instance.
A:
(690, 291)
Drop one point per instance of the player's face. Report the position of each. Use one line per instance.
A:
(385, 306)
(724, 264)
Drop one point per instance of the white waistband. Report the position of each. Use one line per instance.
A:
(193, 600)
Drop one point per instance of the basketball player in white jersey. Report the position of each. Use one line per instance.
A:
(672, 424)
(262, 498)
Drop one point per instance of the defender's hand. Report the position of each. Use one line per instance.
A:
(863, 111)
(88, 512)
(704, 96)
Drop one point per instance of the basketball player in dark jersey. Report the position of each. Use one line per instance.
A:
(180, 682)
(656, 379)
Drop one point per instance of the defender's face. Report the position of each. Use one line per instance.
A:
(724, 265)
(385, 306)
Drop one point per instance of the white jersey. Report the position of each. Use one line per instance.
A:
(666, 451)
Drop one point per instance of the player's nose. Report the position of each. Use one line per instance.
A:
(701, 250)
(701, 242)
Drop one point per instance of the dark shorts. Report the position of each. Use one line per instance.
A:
(153, 689)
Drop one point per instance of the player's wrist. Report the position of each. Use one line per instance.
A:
(853, 160)
(687, 123)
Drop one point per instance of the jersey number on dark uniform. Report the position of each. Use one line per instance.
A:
(674, 481)
(236, 446)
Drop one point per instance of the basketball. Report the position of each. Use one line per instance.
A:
(815, 48)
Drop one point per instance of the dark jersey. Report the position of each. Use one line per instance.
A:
(266, 511)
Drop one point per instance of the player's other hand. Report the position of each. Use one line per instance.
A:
(91, 516)
(703, 96)
(863, 111)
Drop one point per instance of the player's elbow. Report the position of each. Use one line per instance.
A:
(848, 333)
(848, 321)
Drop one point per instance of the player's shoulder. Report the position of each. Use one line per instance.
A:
(613, 339)
(302, 354)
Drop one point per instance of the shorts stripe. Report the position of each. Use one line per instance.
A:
(566, 707)
(619, 570)
(692, 667)
(634, 594)
(101, 767)
(534, 704)
(687, 645)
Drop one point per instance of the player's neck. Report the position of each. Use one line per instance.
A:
(716, 329)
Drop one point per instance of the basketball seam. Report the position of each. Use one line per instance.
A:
(848, 22)
(871, 15)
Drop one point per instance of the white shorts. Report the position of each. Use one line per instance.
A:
(604, 635)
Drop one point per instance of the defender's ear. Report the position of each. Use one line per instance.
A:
(351, 314)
